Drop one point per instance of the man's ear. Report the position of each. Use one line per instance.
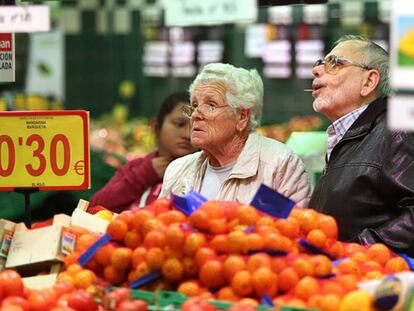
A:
(244, 118)
(370, 82)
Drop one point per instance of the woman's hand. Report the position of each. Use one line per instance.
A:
(160, 165)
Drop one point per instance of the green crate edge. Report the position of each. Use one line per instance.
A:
(166, 298)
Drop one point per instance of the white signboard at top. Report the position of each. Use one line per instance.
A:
(190, 12)
(7, 64)
(32, 18)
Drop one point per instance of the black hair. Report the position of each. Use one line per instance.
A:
(169, 104)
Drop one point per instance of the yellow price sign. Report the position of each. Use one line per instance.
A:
(48, 150)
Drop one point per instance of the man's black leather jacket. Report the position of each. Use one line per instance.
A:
(368, 183)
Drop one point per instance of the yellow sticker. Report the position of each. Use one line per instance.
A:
(48, 150)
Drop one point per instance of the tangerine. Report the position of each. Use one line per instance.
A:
(174, 237)
(114, 276)
(121, 258)
(193, 242)
(138, 256)
(117, 229)
(241, 283)
(140, 217)
(189, 288)
(247, 215)
(203, 255)
(154, 258)
(288, 278)
(259, 260)
(379, 253)
(103, 255)
(132, 239)
(253, 241)
(264, 281)
(219, 244)
(84, 279)
(155, 238)
(317, 238)
(397, 264)
(211, 274)
(307, 287)
(233, 264)
(172, 269)
(328, 225)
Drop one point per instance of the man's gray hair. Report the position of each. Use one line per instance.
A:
(375, 57)
(244, 88)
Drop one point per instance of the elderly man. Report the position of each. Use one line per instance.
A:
(226, 107)
(368, 182)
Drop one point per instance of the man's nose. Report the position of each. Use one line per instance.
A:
(316, 71)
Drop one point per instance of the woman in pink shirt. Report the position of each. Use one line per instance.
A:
(139, 182)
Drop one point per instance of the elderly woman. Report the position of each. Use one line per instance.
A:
(226, 107)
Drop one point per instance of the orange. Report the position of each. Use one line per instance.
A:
(73, 269)
(264, 282)
(174, 237)
(379, 253)
(193, 242)
(214, 209)
(219, 244)
(278, 264)
(349, 282)
(173, 253)
(190, 267)
(352, 248)
(308, 220)
(248, 302)
(371, 265)
(330, 302)
(360, 257)
(200, 220)
(103, 255)
(203, 255)
(242, 283)
(303, 267)
(85, 241)
(64, 276)
(138, 256)
(72, 258)
(288, 227)
(247, 215)
(253, 241)
(358, 300)
(232, 224)
(172, 269)
(277, 242)
(307, 287)
(155, 238)
(295, 303)
(114, 276)
(396, 264)
(349, 266)
(233, 264)
(317, 238)
(315, 301)
(132, 239)
(121, 258)
(264, 230)
(141, 270)
(126, 217)
(322, 265)
(218, 226)
(287, 279)
(256, 261)
(332, 287)
(172, 217)
(117, 229)
(155, 258)
(336, 249)
(265, 220)
(132, 276)
(84, 279)
(140, 217)
(161, 205)
(374, 275)
(227, 294)
(211, 274)
(150, 225)
(189, 288)
(328, 225)
(235, 241)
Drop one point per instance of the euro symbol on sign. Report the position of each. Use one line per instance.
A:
(79, 166)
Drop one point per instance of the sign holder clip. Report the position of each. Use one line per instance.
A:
(27, 211)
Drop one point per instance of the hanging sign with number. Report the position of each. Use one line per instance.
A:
(48, 150)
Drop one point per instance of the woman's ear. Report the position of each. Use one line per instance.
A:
(243, 119)
(370, 82)
(154, 127)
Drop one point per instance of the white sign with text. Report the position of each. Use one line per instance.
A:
(190, 12)
(31, 18)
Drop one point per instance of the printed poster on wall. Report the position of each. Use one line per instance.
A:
(402, 45)
(46, 64)
(7, 63)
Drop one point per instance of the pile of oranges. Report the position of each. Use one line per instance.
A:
(228, 249)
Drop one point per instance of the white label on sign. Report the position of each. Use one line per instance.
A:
(401, 113)
(190, 12)
(24, 18)
(7, 64)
